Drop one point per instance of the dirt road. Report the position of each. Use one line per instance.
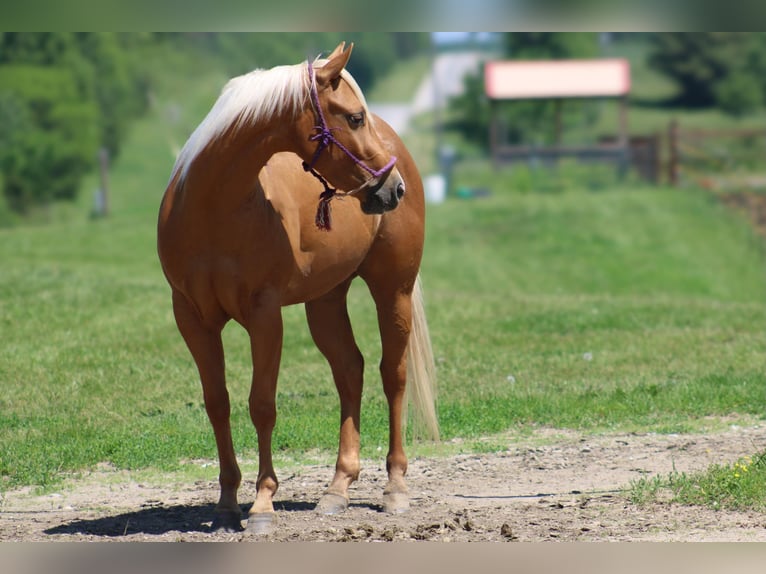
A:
(443, 81)
(566, 489)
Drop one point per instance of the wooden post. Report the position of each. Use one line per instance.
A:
(623, 139)
(494, 135)
(623, 135)
(557, 111)
(673, 153)
(655, 158)
(103, 163)
(557, 127)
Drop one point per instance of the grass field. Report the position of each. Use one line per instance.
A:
(608, 308)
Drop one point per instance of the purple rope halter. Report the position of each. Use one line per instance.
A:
(325, 137)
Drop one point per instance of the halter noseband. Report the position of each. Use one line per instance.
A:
(325, 137)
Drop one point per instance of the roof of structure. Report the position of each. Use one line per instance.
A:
(516, 80)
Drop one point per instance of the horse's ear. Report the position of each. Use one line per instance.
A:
(337, 51)
(335, 64)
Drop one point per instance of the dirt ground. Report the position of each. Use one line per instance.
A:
(569, 488)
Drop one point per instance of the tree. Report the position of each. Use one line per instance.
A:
(114, 83)
(62, 96)
(738, 93)
(52, 136)
(374, 52)
(713, 68)
(551, 46)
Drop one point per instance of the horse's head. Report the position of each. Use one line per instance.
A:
(338, 141)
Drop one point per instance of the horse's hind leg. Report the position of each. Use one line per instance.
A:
(207, 350)
(331, 329)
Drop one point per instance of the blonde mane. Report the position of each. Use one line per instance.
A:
(247, 100)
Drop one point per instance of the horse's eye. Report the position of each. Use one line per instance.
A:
(356, 120)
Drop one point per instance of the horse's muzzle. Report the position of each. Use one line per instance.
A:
(385, 195)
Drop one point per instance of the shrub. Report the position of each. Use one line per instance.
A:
(51, 137)
(738, 94)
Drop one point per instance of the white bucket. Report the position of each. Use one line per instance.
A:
(435, 188)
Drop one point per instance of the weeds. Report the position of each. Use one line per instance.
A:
(734, 486)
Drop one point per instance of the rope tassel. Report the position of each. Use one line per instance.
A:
(323, 218)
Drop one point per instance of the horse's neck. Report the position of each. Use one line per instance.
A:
(227, 169)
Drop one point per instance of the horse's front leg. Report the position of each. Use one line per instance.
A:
(395, 322)
(265, 329)
(331, 329)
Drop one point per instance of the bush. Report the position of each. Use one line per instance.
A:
(739, 94)
(62, 95)
(711, 67)
(51, 135)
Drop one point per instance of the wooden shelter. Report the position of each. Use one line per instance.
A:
(558, 80)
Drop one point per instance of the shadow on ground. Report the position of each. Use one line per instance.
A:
(157, 519)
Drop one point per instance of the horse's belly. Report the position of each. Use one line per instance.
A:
(320, 274)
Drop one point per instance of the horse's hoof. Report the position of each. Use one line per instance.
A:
(396, 502)
(261, 523)
(332, 504)
(227, 521)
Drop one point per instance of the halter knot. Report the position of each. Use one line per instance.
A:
(325, 138)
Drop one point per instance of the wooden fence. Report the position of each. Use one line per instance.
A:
(716, 158)
(710, 158)
(640, 153)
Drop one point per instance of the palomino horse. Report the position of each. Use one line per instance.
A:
(240, 236)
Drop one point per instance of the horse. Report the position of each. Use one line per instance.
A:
(242, 232)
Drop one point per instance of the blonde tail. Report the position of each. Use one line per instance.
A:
(421, 370)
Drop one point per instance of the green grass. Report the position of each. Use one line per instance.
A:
(600, 307)
(737, 486)
(603, 309)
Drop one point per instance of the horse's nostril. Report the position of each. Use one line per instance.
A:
(400, 190)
